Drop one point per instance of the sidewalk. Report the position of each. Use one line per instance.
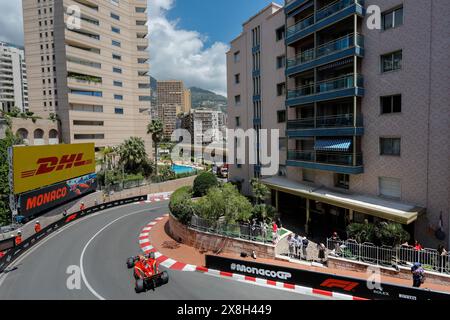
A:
(167, 246)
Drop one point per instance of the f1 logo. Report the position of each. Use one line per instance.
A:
(341, 284)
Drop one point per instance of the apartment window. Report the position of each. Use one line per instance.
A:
(140, 9)
(238, 121)
(392, 18)
(98, 136)
(308, 175)
(342, 181)
(391, 61)
(390, 187)
(116, 56)
(117, 70)
(115, 16)
(281, 62)
(281, 116)
(390, 146)
(391, 104)
(87, 123)
(237, 56)
(115, 29)
(280, 33)
(87, 93)
(118, 110)
(237, 78)
(118, 97)
(118, 83)
(281, 89)
(237, 100)
(116, 43)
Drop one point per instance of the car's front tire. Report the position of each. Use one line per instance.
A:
(164, 277)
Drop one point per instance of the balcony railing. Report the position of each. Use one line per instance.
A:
(341, 120)
(325, 49)
(321, 14)
(343, 82)
(334, 158)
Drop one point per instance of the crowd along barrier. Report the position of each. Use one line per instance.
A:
(16, 251)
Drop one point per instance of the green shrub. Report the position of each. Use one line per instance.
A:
(181, 205)
(224, 203)
(391, 234)
(203, 183)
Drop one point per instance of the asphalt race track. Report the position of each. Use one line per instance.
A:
(101, 244)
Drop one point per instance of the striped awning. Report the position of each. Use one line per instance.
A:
(333, 145)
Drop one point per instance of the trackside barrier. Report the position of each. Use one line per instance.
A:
(321, 281)
(17, 251)
(386, 256)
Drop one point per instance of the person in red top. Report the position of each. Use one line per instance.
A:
(82, 206)
(275, 232)
(18, 239)
(2, 254)
(37, 227)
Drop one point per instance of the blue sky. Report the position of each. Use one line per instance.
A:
(219, 20)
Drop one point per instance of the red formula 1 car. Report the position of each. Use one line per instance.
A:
(146, 272)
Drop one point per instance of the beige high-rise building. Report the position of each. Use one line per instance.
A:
(173, 99)
(91, 71)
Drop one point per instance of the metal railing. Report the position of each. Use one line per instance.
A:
(387, 256)
(245, 231)
(337, 158)
(340, 120)
(342, 43)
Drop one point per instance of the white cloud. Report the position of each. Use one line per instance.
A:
(181, 54)
(11, 26)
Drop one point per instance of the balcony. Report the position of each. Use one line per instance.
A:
(324, 17)
(326, 53)
(328, 89)
(337, 125)
(291, 5)
(339, 162)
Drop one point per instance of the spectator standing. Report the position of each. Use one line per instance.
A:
(418, 246)
(298, 246)
(418, 275)
(37, 227)
(443, 257)
(82, 206)
(95, 202)
(279, 225)
(264, 228)
(291, 244)
(274, 232)
(65, 213)
(305, 243)
(2, 254)
(321, 248)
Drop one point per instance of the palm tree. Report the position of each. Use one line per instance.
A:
(132, 155)
(260, 191)
(156, 128)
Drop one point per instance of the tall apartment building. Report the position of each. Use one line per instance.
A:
(203, 125)
(13, 78)
(366, 112)
(92, 74)
(173, 99)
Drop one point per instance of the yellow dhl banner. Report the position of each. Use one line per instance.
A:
(38, 166)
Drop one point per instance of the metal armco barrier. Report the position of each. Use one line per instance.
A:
(16, 251)
(322, 281)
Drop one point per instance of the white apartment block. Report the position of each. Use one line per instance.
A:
(93, 74)
(13, 78)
